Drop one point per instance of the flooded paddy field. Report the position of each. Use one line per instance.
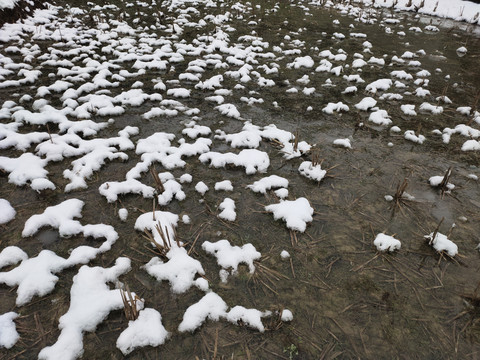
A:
(114, 110)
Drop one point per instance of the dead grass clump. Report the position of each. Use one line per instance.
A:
(315, 152)
(400, 197)
(315, 160)
(435, 232)
(295, 141)
(158, 182)
(130, 301)
(431, 242)
(164, 247)
(275, 320)
(445, 181)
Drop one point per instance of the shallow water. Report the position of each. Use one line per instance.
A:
(348, 300)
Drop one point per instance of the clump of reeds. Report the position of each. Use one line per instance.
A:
(399, 198)
(295, 141)
(158, 182)
(164, 247)
(315, 153)
(444, 184)
(431, 241)
(443, 95)
(316, 161)
(130, 301)
(275, 322)
(434, 234)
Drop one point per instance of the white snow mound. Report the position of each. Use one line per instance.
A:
(147, 330)
(386, 243)
(442, 243)
(295, 213)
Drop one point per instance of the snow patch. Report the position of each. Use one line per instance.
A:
(295, 213)
(442, 243)
(89, 287)
(8, 330)
(229, 256)
(7, 212)
(386, 243)
(227, 207)
(146, 330)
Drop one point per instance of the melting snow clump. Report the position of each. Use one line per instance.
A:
(267, 183)
(147, 330)
(225, 185)
(287, 315)
(252, 160)
(7, 212)
(442, 243)
(343, 142)
(437, 180)
(8, 330)
(229, 256)
(295, 213)
(211, 306)
(201, 188)
(123, 214)
(227, 206)
(314, 172)
(386, 243)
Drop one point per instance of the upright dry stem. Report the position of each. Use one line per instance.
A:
(446, 178)
(434, 235)
(315, 156)
(295, 141)
(129, 303)
(164, 247)
(158, 182)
